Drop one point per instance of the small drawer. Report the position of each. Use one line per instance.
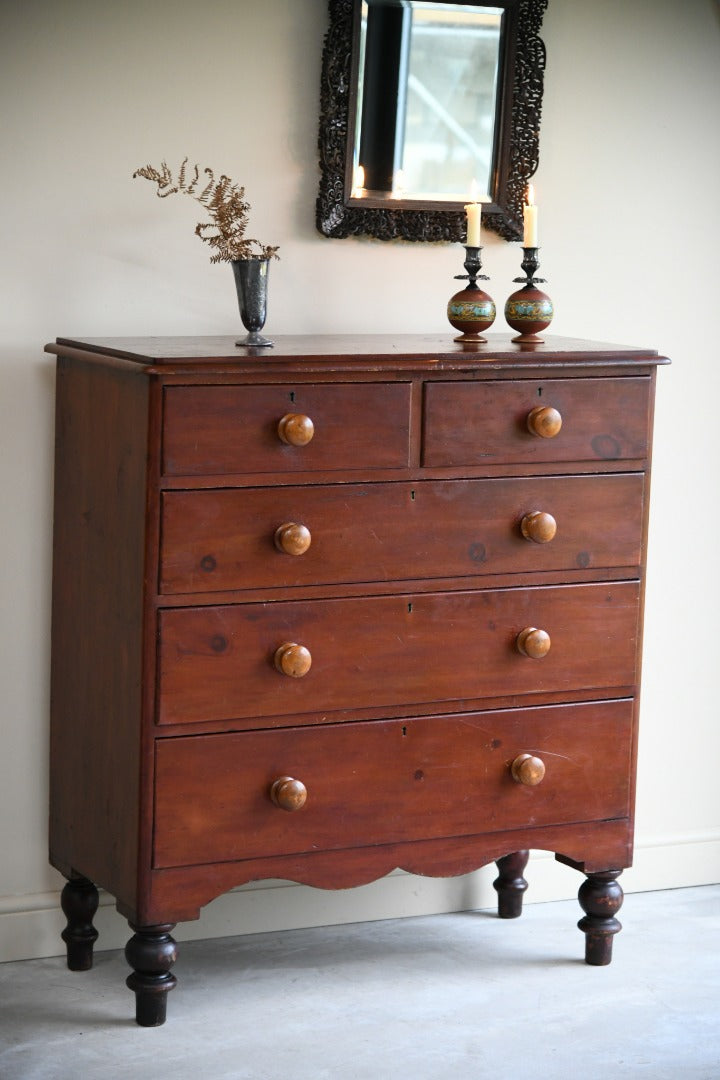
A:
(343, 533)
(487, 423)
(364, 784)
(232, 661)
(215, 430)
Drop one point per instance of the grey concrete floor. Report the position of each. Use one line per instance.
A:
(461, 996)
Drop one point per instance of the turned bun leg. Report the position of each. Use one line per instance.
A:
(151, 952)
(600, 898)
(79, 901)
(510, 885)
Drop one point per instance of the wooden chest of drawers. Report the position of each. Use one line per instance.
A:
(345, 606)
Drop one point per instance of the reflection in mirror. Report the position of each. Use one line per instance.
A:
(426, 100)
(425, 105)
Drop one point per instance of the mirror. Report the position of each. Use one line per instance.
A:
(425, 106)
(438, 65)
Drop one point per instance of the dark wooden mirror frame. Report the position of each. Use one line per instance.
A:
(516, 137)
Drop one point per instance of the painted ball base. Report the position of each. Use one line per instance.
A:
(471, 311)
(530, 311)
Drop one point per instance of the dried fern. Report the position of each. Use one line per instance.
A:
(225, 204)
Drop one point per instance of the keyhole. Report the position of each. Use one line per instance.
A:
(412, 495)
(292, 396)
(539, 391)
(410, 607)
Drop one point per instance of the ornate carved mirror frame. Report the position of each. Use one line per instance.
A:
(516, 137)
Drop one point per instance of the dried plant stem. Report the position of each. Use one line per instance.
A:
(224, 202)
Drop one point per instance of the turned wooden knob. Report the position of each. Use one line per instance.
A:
(544, 421)
(293, 660)
(528, 770)
(533, 642)
(288, 794)
(296, 429)
(539, 527)
(292, 538)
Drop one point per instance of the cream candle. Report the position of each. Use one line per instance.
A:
(530, 219)
(473, 211)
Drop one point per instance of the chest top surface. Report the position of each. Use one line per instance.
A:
(384, 352)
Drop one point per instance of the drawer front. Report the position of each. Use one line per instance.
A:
(487, 423)
(214, 540)
(388, 782)
(214, 430)
(218, 663)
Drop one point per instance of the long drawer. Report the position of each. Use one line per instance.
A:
(226, 539)
(386, 782)
(487, 423)
(219, 663)
(211, 430)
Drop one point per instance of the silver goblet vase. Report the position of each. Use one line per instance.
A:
(251, 282)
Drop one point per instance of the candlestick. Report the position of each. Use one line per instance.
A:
(530, 220)
(529, 310)
(471, 310)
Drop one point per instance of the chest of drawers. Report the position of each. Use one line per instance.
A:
(350, 605)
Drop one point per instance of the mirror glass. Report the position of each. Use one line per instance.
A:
(427, 92)
(426, 105)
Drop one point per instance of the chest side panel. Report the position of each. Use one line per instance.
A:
(98, 622)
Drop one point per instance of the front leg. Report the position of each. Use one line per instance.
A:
(510, 885)
(79, 901)
(600, 898)
(151, 952)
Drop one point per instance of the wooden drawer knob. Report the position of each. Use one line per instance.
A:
(544, 421)
(528, 770)
(296, 429)
(533, 642)
(288, 794)
(539, 527)
(293, 660)
(292, 538)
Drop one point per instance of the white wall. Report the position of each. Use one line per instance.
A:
(627, 187)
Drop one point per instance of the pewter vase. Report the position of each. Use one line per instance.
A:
(251, 281)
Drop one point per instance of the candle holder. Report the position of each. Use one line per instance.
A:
(471, 310)
(529, 310)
